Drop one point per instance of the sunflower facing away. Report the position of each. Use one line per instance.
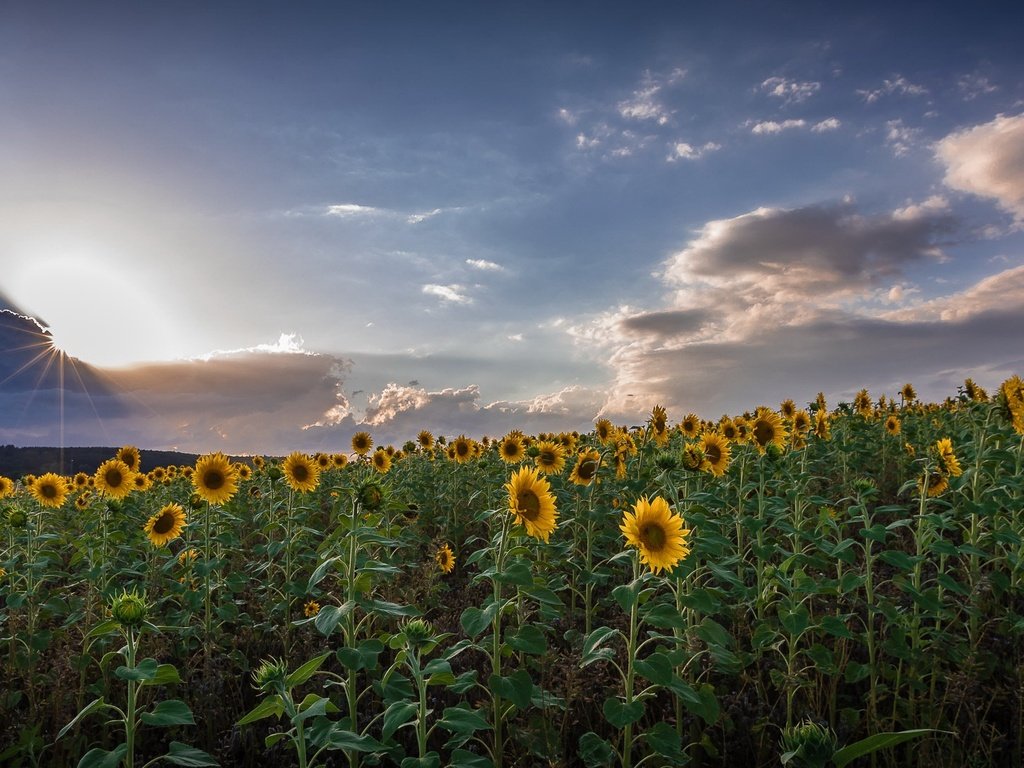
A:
(114, 478)
(511, 449)
(166, 525)
(585, 471)
(766, 429)
(301, 472)
(551, 457)
(445, 559)
(129, 454)
(361, 443)
(822, 429)
(717, 453)
(214, 478)
(937, 483)
(531, 502)
(50, 490)
(657, 534)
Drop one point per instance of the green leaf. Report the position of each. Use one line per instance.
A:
(626, 595)
(103, 628)
(873, 743)
(306, 671)
(595, 751)
(701, 703)
(795, 621)
(430, 760)
(88, 709)
(474, 620)
(273, 738)
(664, 740)
(466, 759)
(269, 707)
(169, 712)
(665, 616)
(395, 716)
(101, 758)
(657, 668)
(528, 639)
(394, 610)
(182, 754)
(517, 687)
(517, 572)
(320, 572)
(313, 706)
(836, 627)
(619, 713)
(898, 559)
(341, 739)
(144, 670)
(165, 674)
(592, 650)
(362, 657)
(463, 721)
(439, 672)
(330, 616)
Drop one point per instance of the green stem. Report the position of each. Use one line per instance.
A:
(627, 732)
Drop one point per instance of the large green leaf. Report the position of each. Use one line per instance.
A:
(517, 687)
(144, 670)
(592, 645)
(306, 671)
(595, 751)
(169, 712)
(528, 639)
(619, 713)
(101, 758)
(182, 754)
(269, 707)
(873, 743)
(93, 706)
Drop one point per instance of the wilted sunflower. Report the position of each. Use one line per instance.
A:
(114, 478)
(585, 470)
(461, 449)
(908, 393)
(381, 461)
(717, 453)
(445, 559)
(425, 439)
(550, 459)
(974, 392)
(129, 454)
(49, 490)
(301, 472)
(511, 449)
(531, 502)
(937, 483)
(690, 425)
(819, 402)
(214, 478)
(767, 429)
(166, 525)
(362, 443)
(657, 533)
(950, 462)
(892, 424)
(6, 487)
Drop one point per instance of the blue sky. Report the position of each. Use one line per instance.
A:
(471, 217)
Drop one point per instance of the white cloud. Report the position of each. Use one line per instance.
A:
(416, 218)
(974, 85)
(452, 293)
(484, 265)
(644, 103)
(770, 126)
(515, 337)
(897, 85)
(681, 150)
(988, 160)
(345, 210)
(828, 124)
(286, 344)
(567, 116)
(901, 138)
(587, 142)
(791, 91)
(1001, 292)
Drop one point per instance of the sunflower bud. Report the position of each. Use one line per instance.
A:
(274, 472)
(129, 609)
(693, 458)
(370, 496)
(665, 461)
(810, 744)
(270, 674)
(17, 518)
(773, 452)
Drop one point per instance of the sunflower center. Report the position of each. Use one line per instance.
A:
(49, 491)
(652, 536)
(528, 504)
(587, 470)
(462, 449)
(713, 453)
(113, 478)
(213, 479)
(300, 473)
(764, 432)
(164, 523)
(547, 457)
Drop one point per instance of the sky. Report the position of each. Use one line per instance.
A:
(260, 227)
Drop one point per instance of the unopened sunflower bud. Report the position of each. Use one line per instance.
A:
(129, 609)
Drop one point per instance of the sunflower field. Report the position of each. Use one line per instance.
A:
(803, 587)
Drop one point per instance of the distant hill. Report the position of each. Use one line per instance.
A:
(17, 462)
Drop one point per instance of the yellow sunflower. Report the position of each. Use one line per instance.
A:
(425, 439)
(141, 482)
(129, 454)
(801, 422)
(690, 425)
(362, 443)
(80, 480)
(461, 449)
(862, 403)
(727, 429)
(445, 559)
(300, 472)
(787, 409)
(550, 459)
(950, 462)
(657, 533)
(158, 474)
(381, 461)
(166, 525)
(114, 478)
(936, 481)
(892, 424)
(822, 428)
(214, 478)
(717, 453)
(767, 429)
(605, 431)
(339, 460)
(585, 471)
(82, 500)
(244, 471)
(511, 449)
(908, 393)
(49, 490)
(259, 462)
(531, 502)
(311, 608)
(6, 487)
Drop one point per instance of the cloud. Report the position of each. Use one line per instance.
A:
(828, 124)
(450, 293)
(900, 138)
(896, 85)
(644, 104)
(972, 86)
(1003, 291)
(286, 344)
(346, 210)
(790, 91)
(988, 160)
(771, 127)
(484, 265)
(680, 150)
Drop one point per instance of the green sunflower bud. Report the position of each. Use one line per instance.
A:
(270, 674)
(370, 496)
(17, 518)
(129, 609)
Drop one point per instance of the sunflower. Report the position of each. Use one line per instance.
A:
(50, 490)
(787, 409)
(6, 487)
(461, 449)
(742, 429)
(259, 462)
(339, 460)
(425, 439)
(767, 429)
(244, 471)
(727, 429)
(974, 392)
(822, 429)
(511, 449)
(311, 608)
(690, 425)
(657, 533)
(141, 482)
(531, 502)
(445, 559)
(605, 431)
(862, 403)
(166, 525)
(381, 461)
(908, 393)
(937, 483)
(80, 480)
(82, 500)
(801, 422)
(187, 472)
(892, 424)
(717, 453)
(158, 474)
(214, 478)
(187, 557)
(114, 478)
(950, 462)
(129, 454)
(585, 471)
(301, 472)
(362, 443)
(550, 459)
